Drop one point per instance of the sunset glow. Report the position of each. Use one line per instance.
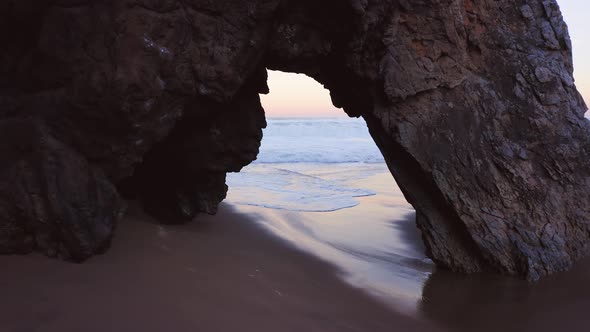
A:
(297, 95)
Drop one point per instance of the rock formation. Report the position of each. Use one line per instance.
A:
(472, 103)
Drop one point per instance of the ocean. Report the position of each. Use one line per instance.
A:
(323, 186)
(304, 164)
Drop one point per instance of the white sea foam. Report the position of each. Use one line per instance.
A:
(274, 187)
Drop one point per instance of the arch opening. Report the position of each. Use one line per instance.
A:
(305, 132)
(321, 183)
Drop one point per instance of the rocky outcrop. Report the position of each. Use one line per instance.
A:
(53, 200)
(472, 103)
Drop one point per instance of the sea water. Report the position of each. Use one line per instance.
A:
(323, 185)
(293, 150)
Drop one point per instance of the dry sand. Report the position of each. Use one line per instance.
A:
(223, 273)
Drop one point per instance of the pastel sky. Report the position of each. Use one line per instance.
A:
(577, 17)
(296, 95)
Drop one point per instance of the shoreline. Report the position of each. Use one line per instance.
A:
(374, 243)
(219, 273)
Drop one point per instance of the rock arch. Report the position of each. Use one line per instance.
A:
(472, 103)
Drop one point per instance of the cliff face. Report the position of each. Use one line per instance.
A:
(472, 103)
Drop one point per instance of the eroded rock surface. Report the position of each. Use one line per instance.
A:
(472, 103)
(53, 200)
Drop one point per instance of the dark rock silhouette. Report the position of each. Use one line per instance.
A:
(472, 103)
(52, 199)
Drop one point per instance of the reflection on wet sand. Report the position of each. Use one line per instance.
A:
(494, 303)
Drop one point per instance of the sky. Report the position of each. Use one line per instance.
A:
(577, 17)
(297, 95)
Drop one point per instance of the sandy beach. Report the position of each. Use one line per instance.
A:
(252, 268)
(222, 273)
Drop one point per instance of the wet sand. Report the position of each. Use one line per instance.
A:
(488, 303)
(375, 245)
(222, 273)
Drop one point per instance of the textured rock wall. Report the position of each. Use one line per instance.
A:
(472, 103)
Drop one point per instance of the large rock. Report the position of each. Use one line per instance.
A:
(472, 103)
(51, 199)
